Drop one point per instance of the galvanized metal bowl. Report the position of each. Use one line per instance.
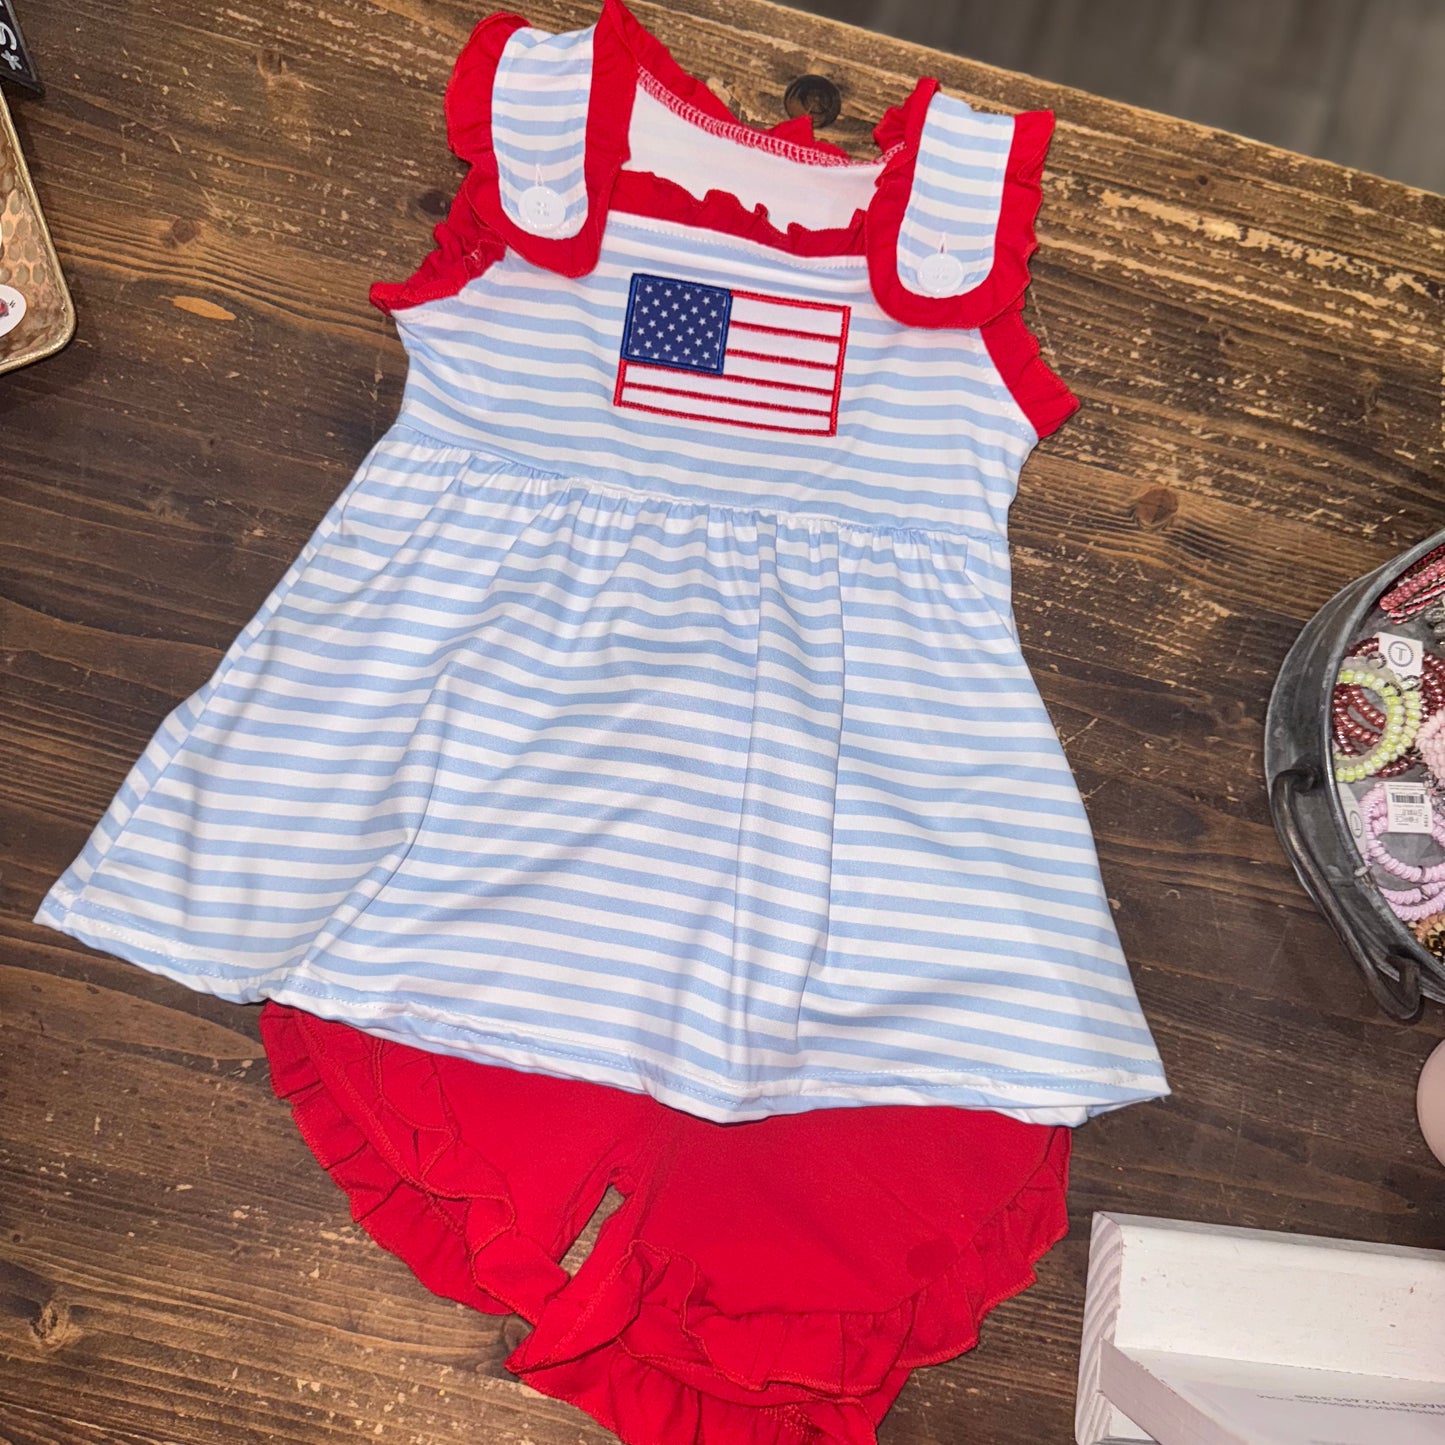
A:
(1305, 802)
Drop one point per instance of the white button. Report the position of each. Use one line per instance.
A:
(940, 275)
(542, 209)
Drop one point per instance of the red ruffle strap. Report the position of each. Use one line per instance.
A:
(478, 230)
(1014, 240)
(465, 248)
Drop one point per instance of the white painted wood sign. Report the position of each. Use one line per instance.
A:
(1198, 1334)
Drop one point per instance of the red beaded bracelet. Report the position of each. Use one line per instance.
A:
(1357, 723)
(1416, 589)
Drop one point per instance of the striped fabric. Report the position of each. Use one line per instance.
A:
(648, 749)
(957, 189)
(520, 365)
(539, 121)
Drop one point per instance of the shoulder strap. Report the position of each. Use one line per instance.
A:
(540, 99)
(950, 231)
(946, 240)
(543, 121)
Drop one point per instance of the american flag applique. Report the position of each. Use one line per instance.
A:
(715, 354)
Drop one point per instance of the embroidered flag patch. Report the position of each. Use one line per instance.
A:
(712, 353)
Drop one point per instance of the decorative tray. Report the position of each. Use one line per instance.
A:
(36, 314)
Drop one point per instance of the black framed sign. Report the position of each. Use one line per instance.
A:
(15, 61)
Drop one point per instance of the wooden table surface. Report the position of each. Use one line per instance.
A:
(1257, 339)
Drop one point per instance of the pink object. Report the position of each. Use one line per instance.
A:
(1430, 741)
(1412, 904)
(1430, 1102)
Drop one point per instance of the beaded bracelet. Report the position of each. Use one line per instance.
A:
(1430, 744)
(1430, 931)
(1417, 588)
(1409, 904)
(1355, 736)
(1375, 807)
(1357, 724)
(1432, 674)
(1402, 711)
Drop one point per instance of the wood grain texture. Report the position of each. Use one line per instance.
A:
(1257, 340)
(1352, 81)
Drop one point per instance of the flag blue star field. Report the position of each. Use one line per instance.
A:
(711, 353)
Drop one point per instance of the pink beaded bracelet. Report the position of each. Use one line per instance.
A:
(1410, 904)
(1430, 744)
(1417, 588)
(1375, 808)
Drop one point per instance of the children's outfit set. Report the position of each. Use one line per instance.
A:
(636, 780)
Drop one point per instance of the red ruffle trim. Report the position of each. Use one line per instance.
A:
(643, 194)
(477, 232)
(654, 1346)
(649, 1345)
(1014, 240)
(442, 1208)
(1039, 391)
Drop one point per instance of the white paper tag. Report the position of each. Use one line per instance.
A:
(1407, 808)
(1404, 656)
(1354, 818)
(12, 306)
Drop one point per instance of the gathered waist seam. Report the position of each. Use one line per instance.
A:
(703, 499)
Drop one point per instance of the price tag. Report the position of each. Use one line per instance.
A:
(15, 61)
(12, 308)
(1354, 817)
(1407, 808)
(1404, 656)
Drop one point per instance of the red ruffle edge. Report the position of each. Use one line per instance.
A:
(643, 194)
(1040, 393)
(648, 1345)
(444, 1209)
(477, 230)
(654, 1347)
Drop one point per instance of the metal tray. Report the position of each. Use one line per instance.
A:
(28, 264)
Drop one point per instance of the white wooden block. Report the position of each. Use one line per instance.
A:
(1182, 1318)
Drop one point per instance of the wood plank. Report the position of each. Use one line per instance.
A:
(1257, 338)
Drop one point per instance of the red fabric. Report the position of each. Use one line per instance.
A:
(1041, 395)
(766, 1283)
(640, 193)
(468, 241)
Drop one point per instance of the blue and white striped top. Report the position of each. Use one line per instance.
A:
(649, 708)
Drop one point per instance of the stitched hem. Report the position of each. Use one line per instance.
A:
(1030, 1097)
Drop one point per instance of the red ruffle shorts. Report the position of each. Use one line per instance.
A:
(767, 1283)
